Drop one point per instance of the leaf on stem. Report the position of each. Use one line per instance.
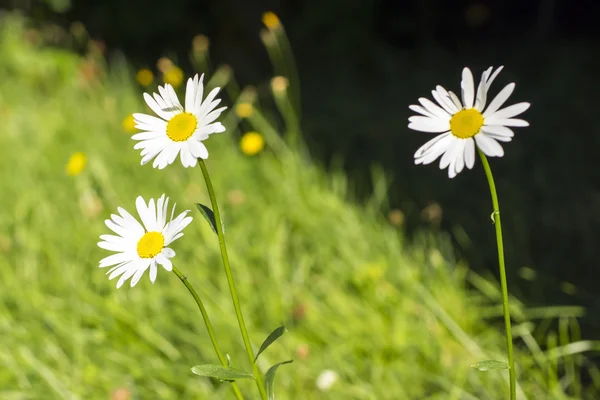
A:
(270, 378)
(208, 215)
(273, 336)
(490, 365)
(221, 372)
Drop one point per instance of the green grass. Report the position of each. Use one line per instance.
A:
(394, 319)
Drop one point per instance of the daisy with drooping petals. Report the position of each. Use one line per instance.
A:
(179, 130)
(142, 246)
(464, 125)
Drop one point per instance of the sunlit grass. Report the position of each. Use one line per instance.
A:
(394, 320)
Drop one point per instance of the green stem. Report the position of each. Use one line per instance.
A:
(209, 327)
(496, 217)
(227, 266)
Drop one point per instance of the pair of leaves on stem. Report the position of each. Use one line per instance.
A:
(229, 374)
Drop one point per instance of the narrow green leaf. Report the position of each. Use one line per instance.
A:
(273, 336)
(270, 378)
(208, 215)
(490, 365)
(221, 372)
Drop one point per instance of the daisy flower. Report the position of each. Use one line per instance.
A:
(142, 246)
(464, 125)
(178, 130)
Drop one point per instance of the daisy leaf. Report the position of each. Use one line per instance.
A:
(208, 215)
(221, 372)
(490, 365)
(270, 378)
(273, 336)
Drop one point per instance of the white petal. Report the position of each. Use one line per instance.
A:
(153, 271)
(166, 156)
(115, 259)
(446, 104)
(459, 161)
(431, 150)
(154, 105)
(190, 93)
(481, 96)
(468, 88)
(151, 120)
(506, 122)
(511, 111)
(128, 274)
(198, 149)
(434, 108)
(421, 110)
(140, 272)
(489, 146)
(498, 130)
(470, 153)
(119, 269)
(168, 252)
(491, 79)
(448, 99)
(165, 262)
(113, 246)
(455, 100)
(499, 100)
(205, 131)
(149, 135)
(146, 213)
(199, 94)
(208, 104)
(450, 153)
(426, 124)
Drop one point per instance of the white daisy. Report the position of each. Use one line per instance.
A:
(465, 125)
(141, 246)
(178, 130)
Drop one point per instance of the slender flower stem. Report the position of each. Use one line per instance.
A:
(227, 266)
(209, 327)
(496, 217)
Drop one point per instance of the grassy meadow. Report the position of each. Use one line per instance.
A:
(395, 319)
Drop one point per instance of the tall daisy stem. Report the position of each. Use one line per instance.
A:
(227, 266)
(503, 283)
(209, 328)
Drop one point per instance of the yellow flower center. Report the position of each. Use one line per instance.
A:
(466, 123)
(181, 127)
(150, 244)
(252, 143)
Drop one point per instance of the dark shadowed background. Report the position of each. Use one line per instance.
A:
(361, 63)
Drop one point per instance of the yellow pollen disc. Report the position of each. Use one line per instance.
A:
(181, 127)
(150, 244)
(466, 123)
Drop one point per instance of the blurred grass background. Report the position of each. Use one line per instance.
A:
(395, 319)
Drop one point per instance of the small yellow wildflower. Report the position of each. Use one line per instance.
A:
(173, 76)
(271, 20)
(200, 44)
(145, 77)
(252, 143)
(244, 110)
(129, 124)
(279, 84)
(76, 164)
